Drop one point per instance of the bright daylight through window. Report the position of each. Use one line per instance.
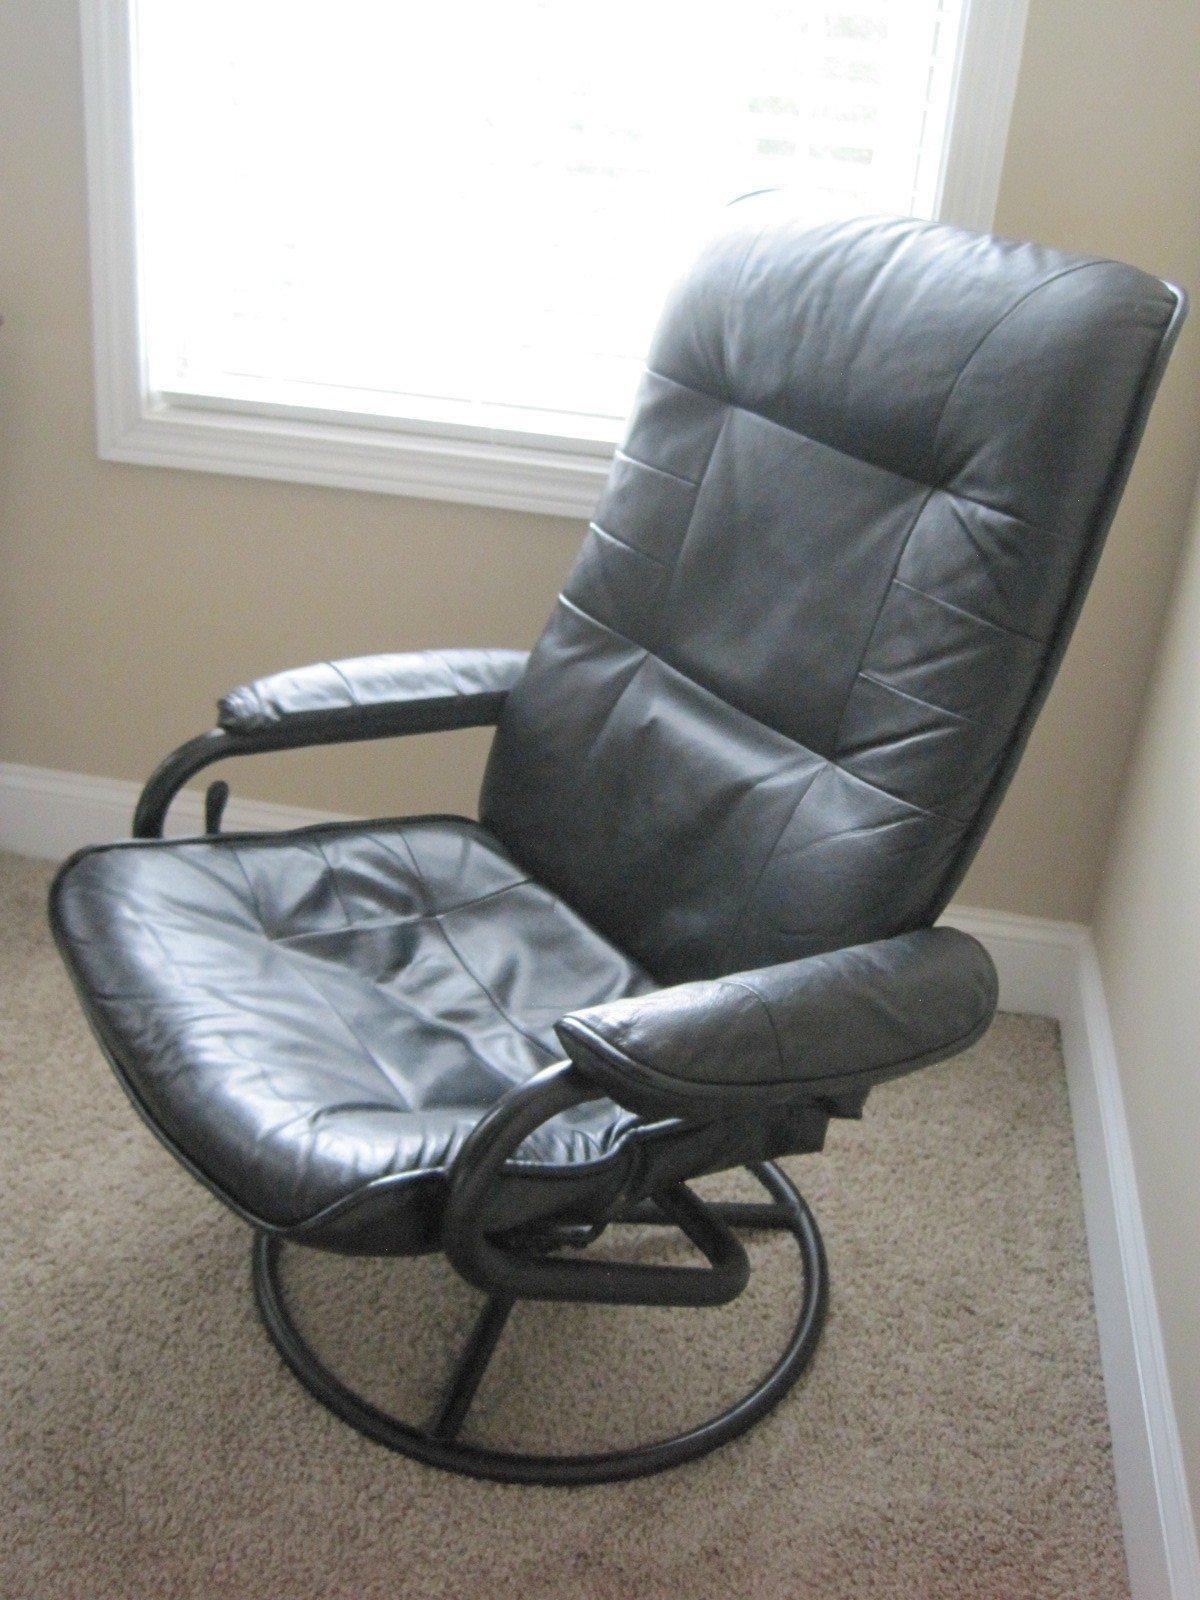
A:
(463, 218)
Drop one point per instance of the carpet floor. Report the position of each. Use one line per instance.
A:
(949, 1440)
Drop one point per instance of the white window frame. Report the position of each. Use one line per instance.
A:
(530, 472)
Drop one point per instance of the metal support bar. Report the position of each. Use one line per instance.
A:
(386, 721)
(165, 782)
(508, 1269)
(216, 797)
(468, 1374)
(734, 1213)
(456, 1455)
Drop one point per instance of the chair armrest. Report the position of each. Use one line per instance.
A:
(336, 702)
(425, 691)
(819, 1028)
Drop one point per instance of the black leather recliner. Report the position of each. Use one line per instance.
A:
(865, 484)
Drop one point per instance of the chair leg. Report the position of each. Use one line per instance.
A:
(472, 1364)
(437, 1444)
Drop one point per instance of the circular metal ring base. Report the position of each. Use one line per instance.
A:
(452, 1455)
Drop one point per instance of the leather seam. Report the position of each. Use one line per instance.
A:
(738, 983)
(627, 545)
(786, 738)
(839, 450)
(334, 885)
(471, 974)
(864, 827)
(945, 488)
(517, 1027)
(869, 638)
(254, 900)
(648, 466)
(943, 711)
(428, 896)
(673, 568)
(1045, 283)
(289, 957)
(333, 667)
(670, 666)
(399, 922)
(972, 616)
(744, 909)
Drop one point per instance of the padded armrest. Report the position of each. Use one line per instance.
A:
(822, 1027)
(426, 691)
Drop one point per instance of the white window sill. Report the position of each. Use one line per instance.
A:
(518, 473)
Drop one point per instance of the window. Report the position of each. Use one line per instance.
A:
(423, 248)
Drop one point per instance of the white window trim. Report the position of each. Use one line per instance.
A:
(522, 473)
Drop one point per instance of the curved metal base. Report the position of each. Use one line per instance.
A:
(436, 1444)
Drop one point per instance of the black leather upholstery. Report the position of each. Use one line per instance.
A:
(840, 551)
(828, 1025)
(418, 692)
(865, 477)
(314, 1021)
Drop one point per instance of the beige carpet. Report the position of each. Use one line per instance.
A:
(949, 1440)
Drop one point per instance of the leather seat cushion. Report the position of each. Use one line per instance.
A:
(305, 1016)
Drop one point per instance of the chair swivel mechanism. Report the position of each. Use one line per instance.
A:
(867, 477)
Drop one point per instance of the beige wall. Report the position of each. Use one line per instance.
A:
(1148, 934)
(131, 597)
(1104, 156)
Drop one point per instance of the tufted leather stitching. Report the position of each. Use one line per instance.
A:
(466, 967)
(372, 924)
(570, 1151)
(432, 915)
(306, 978)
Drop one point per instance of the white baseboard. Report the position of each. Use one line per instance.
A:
(49, 814)
(1156, 1507)
(1046, 969)
(1035, 959)
(1050, 969)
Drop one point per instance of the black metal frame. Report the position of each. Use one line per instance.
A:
(437, 1442)
(528, 1263)
(165, 782)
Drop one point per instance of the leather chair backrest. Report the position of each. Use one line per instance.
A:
(861, 494)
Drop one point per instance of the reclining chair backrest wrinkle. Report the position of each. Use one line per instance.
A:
(864, 485)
